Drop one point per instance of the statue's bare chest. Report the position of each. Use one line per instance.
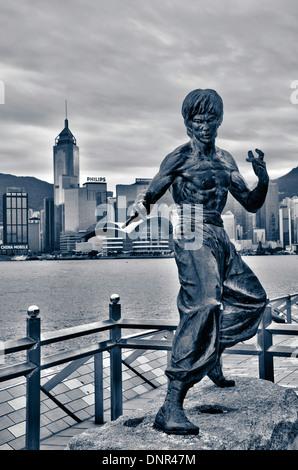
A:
(206, 174)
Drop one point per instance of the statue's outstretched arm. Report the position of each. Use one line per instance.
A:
(168, 171)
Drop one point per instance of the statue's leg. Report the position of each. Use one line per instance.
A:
(171, 417)
(216, 374)
(196, 342)
(244, 301)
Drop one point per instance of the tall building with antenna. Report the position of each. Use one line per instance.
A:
(66, 173)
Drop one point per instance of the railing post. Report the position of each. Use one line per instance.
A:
(115, 360)
(289, 309)
(98, 388)
(33, 382)
(266, 369)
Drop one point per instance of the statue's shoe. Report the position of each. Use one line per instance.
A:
(222, 383)
(173, 421)
(219, 379)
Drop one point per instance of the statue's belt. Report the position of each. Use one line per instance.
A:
(197, 217)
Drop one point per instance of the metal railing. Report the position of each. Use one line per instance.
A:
(35, 364)
(282, 311)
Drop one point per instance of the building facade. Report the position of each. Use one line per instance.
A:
(68, 241)
(84, 207)
(15, 221)
(48, 227)
(229, 224)
(153, 233)
(34, 239)
(66, 175)
(268, 217)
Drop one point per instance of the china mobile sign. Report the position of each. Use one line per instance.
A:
(14, 247)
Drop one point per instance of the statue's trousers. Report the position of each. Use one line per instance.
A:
(220, 303)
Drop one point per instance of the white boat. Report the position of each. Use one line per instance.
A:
(19, 258)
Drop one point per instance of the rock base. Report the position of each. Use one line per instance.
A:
(254, 415)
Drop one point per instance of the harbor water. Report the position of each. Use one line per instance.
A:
(74, 292)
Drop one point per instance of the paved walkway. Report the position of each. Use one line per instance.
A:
(60, 440)
(286, 375)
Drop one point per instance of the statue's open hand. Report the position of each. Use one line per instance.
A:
(140, 210)
(258, 164)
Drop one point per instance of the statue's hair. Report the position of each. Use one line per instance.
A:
(202, 102)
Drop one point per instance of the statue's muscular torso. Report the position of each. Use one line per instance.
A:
(200, 179)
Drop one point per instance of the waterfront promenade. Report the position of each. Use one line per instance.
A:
(142, 380)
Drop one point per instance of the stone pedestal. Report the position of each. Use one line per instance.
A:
(254, 415)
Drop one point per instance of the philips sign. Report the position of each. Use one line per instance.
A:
(96, 179)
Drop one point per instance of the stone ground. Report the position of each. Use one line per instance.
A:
(76, 393)
(254, 415)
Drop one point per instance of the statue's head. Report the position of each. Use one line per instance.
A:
(202, 102)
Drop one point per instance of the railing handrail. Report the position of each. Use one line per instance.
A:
(75, 332)
(22, 344)
(115, 324)
(17, 345)
(283, 297)
(16, 370)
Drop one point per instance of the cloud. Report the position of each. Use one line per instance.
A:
(125, 68)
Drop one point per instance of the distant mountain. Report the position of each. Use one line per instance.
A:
(37, 190)
(288, 184)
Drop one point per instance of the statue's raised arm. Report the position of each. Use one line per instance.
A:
(251, 200)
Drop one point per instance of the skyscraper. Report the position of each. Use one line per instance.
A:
(48, 225)
(295, 218)
(243, 218)
(15, 220)
(267, 216)
(34, 238)
(66, 174)
(15, 216)
(229, 224)
(126, 194)
(84, 206)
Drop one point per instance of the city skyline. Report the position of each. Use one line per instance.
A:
(125, 80)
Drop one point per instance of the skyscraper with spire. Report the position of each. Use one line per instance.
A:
(66, 174)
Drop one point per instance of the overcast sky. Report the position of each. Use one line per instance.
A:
(125, 66)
